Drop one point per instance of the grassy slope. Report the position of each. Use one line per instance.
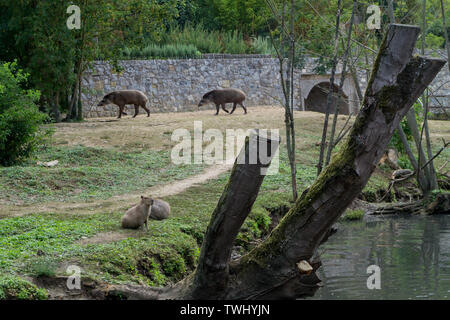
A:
(112, 162)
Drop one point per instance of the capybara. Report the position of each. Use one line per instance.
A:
(159, 210)
(123, 97)
(137, 216)
(221, 97)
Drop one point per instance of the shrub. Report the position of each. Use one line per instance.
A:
(192, 41)
(44, 266)
(13, 288)
(20, 120)
(155, 51)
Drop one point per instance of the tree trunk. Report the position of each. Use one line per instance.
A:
(421, 179)
(287, 85)
(331, 92)
(56, 114)
(331, 144)
(397, 80)
(391, 11)
(80, 103)
(444, 22)
(430, 169)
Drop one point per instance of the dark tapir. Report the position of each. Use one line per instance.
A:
(221, 97)
(123, 97)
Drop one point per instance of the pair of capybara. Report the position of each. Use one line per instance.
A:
(138, 215)
(219, 97)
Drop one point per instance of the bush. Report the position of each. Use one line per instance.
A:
(44, 266)
(13, 288)
(20, 119)
(192, 41)
(351, 215)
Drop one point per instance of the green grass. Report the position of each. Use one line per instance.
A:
(85, 173)
(12, 287)
(351, 215)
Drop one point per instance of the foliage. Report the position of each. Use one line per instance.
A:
(155, 51)
(15, 288)
(20, 119)
(396, 142)
(35, 33)
(351, 215)
(217, 41)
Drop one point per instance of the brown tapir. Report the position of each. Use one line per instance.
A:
(123, 97)
(221, 97)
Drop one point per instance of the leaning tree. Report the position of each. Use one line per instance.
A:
(397, 80)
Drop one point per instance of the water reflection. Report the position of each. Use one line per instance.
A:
(412, 252)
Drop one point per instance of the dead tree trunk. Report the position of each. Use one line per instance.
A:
(397, 80)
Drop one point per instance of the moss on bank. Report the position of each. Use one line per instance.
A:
(16, 288)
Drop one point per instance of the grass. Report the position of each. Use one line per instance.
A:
(351, 215)
(193, 41)
(86, 173)
(12, 287)
(100, 160)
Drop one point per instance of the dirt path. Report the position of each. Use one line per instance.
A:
(115, 202)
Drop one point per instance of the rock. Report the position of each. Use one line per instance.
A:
(48, 164)
(390, 158)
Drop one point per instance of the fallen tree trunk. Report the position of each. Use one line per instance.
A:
(398, 79)
(437, 204)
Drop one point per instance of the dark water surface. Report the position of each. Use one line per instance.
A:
(413, 254)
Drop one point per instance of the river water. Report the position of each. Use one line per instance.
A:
(413, 253)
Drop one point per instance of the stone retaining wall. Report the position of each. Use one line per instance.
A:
(178, 85)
